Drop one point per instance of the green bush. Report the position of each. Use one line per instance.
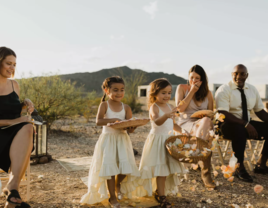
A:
(131, 95)
(91, 105)
(53, 97)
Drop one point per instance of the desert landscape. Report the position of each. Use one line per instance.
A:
(52, 186)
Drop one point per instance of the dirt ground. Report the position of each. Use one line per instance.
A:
(77, 138)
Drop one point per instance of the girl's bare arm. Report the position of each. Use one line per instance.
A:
(159, 120)
(129, 116)
(100, 120)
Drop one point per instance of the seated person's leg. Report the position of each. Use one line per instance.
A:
(262, 129)
(202, 131)
(236, 133)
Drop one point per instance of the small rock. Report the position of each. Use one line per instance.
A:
(43, 160)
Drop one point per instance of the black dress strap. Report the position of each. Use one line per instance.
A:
(12, 85)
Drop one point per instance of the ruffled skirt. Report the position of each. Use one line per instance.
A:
(113, 155)
(155, 161)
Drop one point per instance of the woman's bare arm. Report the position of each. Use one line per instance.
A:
(210, 101)
(6, 122)
(181, 102)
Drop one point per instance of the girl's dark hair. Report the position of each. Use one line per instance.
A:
(202, 93)
(4, 52)
(155, 87)
(106, 85)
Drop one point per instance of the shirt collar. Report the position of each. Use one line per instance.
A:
(233, 86)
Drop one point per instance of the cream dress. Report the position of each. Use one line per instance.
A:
(156, 161)
(113, 155)
(191, 124)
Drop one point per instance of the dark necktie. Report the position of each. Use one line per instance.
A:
(244, 105)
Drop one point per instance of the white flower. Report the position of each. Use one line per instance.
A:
(211, 133)
(177, 141)
(188, 146)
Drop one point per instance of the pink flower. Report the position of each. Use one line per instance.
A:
(258, 189)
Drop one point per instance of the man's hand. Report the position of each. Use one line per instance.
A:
(253, 134)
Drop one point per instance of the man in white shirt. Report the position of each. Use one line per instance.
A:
(235, 100)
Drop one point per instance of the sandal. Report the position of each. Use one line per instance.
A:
(156, 195)
(163, 202)
(117, 205)
(23, 205)
(12, 194)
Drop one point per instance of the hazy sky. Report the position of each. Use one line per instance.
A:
(68, 36)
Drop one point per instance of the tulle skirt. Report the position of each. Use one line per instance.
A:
(155, 161)
(113, 155)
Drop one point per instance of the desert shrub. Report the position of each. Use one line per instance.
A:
(53, 97)
(91, 104)
(131, 95)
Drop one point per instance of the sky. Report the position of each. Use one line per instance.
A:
(69, 36)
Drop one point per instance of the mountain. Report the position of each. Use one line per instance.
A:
(93, 81)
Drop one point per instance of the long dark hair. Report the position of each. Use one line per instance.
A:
(155, 87)
(4, 52)
(202, 93)
(107, 83)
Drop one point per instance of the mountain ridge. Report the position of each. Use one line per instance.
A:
(92, 81)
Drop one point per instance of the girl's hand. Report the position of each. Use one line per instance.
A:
(131, 129)
(185, 133)
(195, 87)
(29, 104)
(172, 113)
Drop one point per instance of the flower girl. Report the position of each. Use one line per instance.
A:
(113, 159)
(158, 169)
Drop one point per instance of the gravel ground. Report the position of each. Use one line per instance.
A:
(77, 138)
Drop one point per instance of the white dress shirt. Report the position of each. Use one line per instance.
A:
(228, 98)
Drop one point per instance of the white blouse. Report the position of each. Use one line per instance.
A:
(228, 98)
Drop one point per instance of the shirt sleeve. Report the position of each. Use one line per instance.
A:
(258, 105)
(222, 98)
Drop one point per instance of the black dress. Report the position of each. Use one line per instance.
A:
(10, 108)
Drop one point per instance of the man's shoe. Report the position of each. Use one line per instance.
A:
(259, 170)
(243, 175)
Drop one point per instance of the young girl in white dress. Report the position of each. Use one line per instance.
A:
(159, 171)
(113, 159)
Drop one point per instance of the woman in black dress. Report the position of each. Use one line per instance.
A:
(16, 142)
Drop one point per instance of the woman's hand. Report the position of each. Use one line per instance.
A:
(195, 87)
(29, 104)
(23, 119)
